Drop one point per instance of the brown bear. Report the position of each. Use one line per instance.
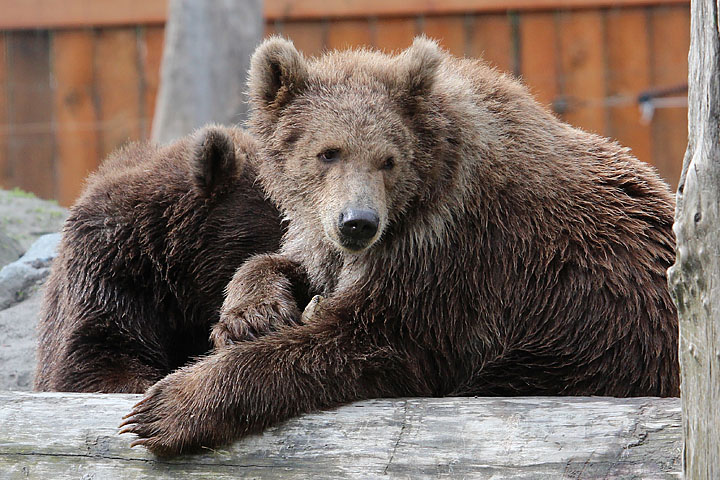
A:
(146, 254)
(463, 239)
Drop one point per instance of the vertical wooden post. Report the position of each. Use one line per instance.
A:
(205, 61)
(695, 277)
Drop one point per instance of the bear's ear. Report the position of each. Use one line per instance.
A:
(213, 159)
(417, 67)
(277, 73)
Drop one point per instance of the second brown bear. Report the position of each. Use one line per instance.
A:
(145, 257)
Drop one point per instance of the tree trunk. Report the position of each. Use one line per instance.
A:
(65, 435)
(695, 277)
(205, 62)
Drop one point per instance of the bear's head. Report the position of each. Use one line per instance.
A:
(342, 136)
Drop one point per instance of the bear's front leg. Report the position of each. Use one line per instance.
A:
(249, 386)
(261, 297)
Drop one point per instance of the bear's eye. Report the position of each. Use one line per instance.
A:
(389, 163)
(329, 155)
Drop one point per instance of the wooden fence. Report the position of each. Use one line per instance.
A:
(78, 78)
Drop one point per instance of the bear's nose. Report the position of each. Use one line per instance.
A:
(358, 224)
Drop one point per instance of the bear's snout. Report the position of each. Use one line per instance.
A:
(357, 227)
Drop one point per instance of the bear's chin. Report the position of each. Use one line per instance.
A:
(355, 249)
(351, 247)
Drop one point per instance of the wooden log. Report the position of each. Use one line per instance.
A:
(65, 435)
(695, 277)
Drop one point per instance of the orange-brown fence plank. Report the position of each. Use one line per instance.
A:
(669, 44)
(582, 71)
(118, 87)
(394, 34)
(30, 142)
(30, 14)
(4, 127)
(299, 9)
(538, 55)
(344, 34)
(76, 134)
(79, 13)
(308, 37)
(628, 73)
(491, 38)
(449, 30)
(152, 52)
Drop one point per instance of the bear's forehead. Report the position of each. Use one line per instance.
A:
(346, 96)
(353, 93)
(359, 68)
(344, 107)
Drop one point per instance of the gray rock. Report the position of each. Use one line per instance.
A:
(18, 340)
(10, 249)
(25, 217)
(26, 220)
(21, 278)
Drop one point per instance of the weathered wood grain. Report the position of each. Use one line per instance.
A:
(5, 169)
(76, 119)
(29, 109)
(695, 277)
(283, 9)
(98, 13)
(62, 435)
(117, 83)
(395, 34)
(206, 55)
(627, 74)
(308, 37)
(538, 55)
(344, 34)
(151, 55)
(491, 39)
(449, 31)
(669, 43)
(582, 63)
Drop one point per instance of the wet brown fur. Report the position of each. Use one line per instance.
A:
(517, 255)
(146, 254)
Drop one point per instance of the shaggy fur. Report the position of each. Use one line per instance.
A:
(145, 256)
(514, 254)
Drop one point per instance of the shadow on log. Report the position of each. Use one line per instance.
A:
(66, 435)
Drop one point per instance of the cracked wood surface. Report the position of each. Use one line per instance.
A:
(66, 435)
(695, 278)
